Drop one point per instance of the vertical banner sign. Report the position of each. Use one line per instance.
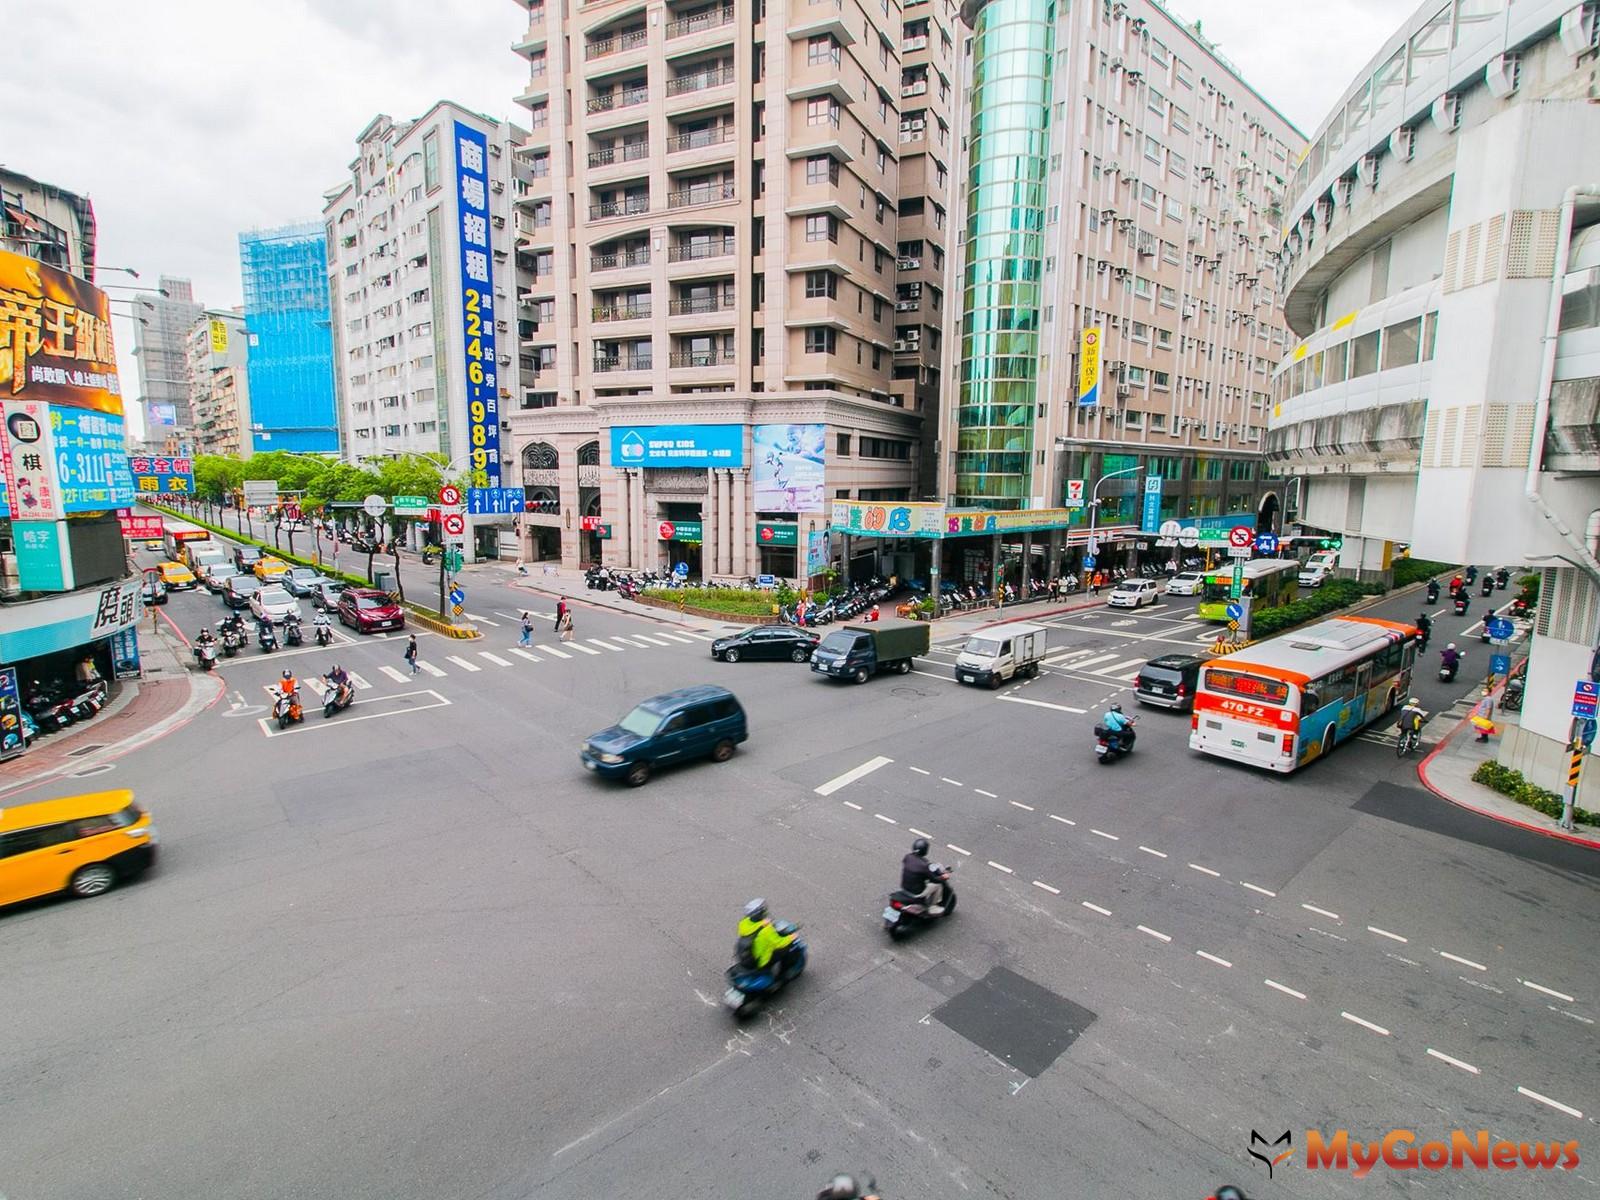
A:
(219, 337)
(477, 302)
(1089, 368)
(1150, 518)
(28, 448)
(11, 740)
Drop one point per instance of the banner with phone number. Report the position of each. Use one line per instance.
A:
(477, 302)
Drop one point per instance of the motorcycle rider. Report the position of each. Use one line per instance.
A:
(759, 943)
(1119, 726)
(1450, 659)
(1425, 628)
(917, 878)
(339, 678)
(321, 627)
(205, 637)
(1411, 717)
(289, 689)
(1433, 591)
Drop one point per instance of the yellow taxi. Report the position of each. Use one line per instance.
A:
(270, 568)
(79, 844)
(175, 575)
(155, 543)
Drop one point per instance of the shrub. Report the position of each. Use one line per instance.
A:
(1414, 570)
(1331, 596)
(1509, 782)
(740, 601)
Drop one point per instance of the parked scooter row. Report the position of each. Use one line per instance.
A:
(56, 705)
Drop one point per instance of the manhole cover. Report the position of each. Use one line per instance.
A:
(97, 769)
(1020, 1023)
(89, 749)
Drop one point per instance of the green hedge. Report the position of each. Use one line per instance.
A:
(1414, 570)
(1331, 596)
(728, 600)
(1509, 782)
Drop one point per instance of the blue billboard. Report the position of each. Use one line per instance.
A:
(477, 302)
(1150, 517)
(677, 445)
(495, 500)
(91, 460)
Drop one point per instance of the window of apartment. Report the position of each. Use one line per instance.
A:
(1167, 297)
(1141, 332)
(1158, 422)
(883, 158)
(430, 160)
(1161, 381)
(1094, 219)
(1148, 196)
(1164, 339)
(820, 341)
(821, 284)
(877, 308)
(1152, 149)
(1241, 470)
(822, 48)
(1169, 253)
(1174, 208)
(891, 448)
(1142, 287)
(822, 168)
(1364, 354)
(1430, 325)
(1163, 466)
(1208, 469)
(822, 227)
(1136, 375)
(1401, 343)
(1177, 163)
(822, 110)
(841, 445)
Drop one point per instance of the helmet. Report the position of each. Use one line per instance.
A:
(846, 1187)
(1115, 707)
(756, 909)
(288, 674)
(920, 846)
(1451, 646)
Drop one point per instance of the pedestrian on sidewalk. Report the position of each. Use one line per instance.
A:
(411, 655)
(564, 625)
(1095, 580)
(527, 628)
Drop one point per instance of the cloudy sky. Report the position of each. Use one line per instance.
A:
(187, 121)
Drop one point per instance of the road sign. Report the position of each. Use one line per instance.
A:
(410, 502)
(1167, 533)
(1499, 664)
(1585, 698)
(1267, 543)
(456, 610)
(1074, 497)
(1189, 537)
(1234, 611)
(455, 525)
(457, 596)
(449, 495)
(1233, 627)
(1236, 588)
(1241, 537)
(1500, 628)
(261, 492)
(681, 570)
(766, 581)
(1088, 560)
(374, 505)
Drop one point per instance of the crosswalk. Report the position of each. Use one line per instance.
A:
(1088, 661)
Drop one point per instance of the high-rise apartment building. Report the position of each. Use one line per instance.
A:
(290, 348)
(733, 226)
(219, 388)
(423, 287)
(1121, 203)
(161, 324)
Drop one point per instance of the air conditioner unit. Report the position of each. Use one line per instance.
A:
(1367, 170)
(1403, 143)
(1446, 113)
(1116, 64)
(1121, 272)
(1102, 267)
(1207, 174)
(1135, 74)
(1578, 28)
(1113, 368)
(1124, 392)
(1125, 224)
(1114, 321)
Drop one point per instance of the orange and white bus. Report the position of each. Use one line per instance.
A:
(179, 532)
(1292, 698)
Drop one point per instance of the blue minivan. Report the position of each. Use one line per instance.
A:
(692, 722)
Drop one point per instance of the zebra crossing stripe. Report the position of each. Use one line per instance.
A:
(678, 637)
(1089, 662)
(393, 674)
(644, 637)
(552, 651)
(582, 649)
(606, 645)
(357, 680)
(430, 668)
(462, 663)
(494, 658)
(521, 653)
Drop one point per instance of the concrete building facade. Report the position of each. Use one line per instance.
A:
(219, 386)
(161, 323)
(733, 229)
(1439, 269)
(48, 223)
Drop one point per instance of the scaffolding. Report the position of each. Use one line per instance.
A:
(284, 271)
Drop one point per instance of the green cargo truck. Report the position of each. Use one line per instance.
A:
(860, 651)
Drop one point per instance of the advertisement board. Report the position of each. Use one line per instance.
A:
(140, 527)
(1150, 514)
(55, 338)
(864, 518)
(477, 302)
(161, 414)
(777, 533)
(162, 476)
(43, 564)
(28, 455)
(11, 739)
(91, 460)
(1089, 367)
(219, 337)
(1014, 520)
(688, 532)
(816, 552)
(787, 465)
(677, 445)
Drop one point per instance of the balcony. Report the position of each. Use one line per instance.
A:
(630, 40)
(622, 98)
(912, 44)
(700, 137)
(606, 363)
(628, 152)
(700, 22)
(636, 310)
(706, 193)
(699, 81)
(638, 257)
(701, 358)
(694, 251)
(631, 206)
(908, 262)
(907, 305)
(916, 88)
(687, 306)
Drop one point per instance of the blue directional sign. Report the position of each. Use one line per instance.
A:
(766, 581)
(1266, 543)
(457, 596)
(1500, 628)
(681, 570)
(1585, 698)
(1499, 664)
(1088, 560)
(1234, 611)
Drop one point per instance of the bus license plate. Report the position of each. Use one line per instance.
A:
(1236, 743)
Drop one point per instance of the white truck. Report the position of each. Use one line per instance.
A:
(993, 656)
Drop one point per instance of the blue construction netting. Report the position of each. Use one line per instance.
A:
(285, 272)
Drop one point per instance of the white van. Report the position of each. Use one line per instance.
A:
(992, 656)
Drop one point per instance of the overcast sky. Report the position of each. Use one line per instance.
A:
(187, 121)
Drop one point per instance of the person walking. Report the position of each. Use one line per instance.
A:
(561, 612)
(564, 625)
(527, 628)
(411, 655)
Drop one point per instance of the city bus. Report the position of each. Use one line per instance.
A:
(1290, 699)
(1269, 582)
(179, 532)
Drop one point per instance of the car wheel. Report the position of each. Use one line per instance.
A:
(637, 774)
(92, 880)
(730, 655)
(797, 655)
(905, 667)
(722, 751)
(861, 675)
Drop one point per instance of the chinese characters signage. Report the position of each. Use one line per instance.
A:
(477, 302)
(219, 337)
(42, 564)
(138, 526)
(91, 460)
(55, 338)
(164, 476)
(677, 445)
(27, 448)
(1089, 368)
(888, 520)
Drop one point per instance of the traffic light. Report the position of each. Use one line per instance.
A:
(1333, 543)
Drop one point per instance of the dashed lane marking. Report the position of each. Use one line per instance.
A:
(1046, 887)
(850, 776)
(1255, 888)
(920, 771)
(886, 820)
(1321, 912)
(1155, 933)
(1157, 853)
(552, 652)
(1001, 867)
(1454, 1062)
(951, 782)
(1365, 1024)
(1042, 704)
(463, 663)
(1110, 837)
(1221, 962)
(991, 795)
(521, 653)
(1016, 804)
(1465, 962)
(1555, 1104)
(848, 804)
(1287, 991)
(958, 849)
(1393, 937)
(1205, 870)
(494, 658)
(1104, 912)
(1063, 820)
(919, 832)
(1539, 987)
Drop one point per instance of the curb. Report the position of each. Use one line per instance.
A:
(462, 632)
(1422, 774)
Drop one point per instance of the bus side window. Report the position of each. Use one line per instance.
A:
(1310, 699)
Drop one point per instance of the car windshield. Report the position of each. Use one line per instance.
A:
(983, 647)
(641, 722)
(303, 572)
(275, 595)
(245, 583)
(372, 602)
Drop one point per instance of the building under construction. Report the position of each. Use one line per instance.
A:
(290, 345)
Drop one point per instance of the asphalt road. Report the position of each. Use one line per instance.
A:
(415, 951)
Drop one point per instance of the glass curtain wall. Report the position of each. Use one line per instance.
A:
(1013, 46)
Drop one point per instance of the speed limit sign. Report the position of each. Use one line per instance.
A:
(455, 525)
(449, 494)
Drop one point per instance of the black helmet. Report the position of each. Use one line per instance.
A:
(920, 846)
(1116, 707)
(288, 674)
(756, 909)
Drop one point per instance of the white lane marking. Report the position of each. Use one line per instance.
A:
(1089, 662)
(1001, 867)
(951, 782)
(1117, 668)
(1465, 962)
(1042, 704)
(1063, 820)
(991, 795)
(1555, 1104)
(582, 649)
(393, 674)
(1102, 833)
(1393, 937)
(267, 726)
(943, 679)
(958, 849)
(920, 771)
(431, 669)
(604, 645)
(919, 832)
(360, 683)
(1454, 1062)
(494, 658)
(886, 820)
(1321, 912)
(1017, 804)
(629, 641)
(521, 653)
(1157, 853)
(1155, 933)
(677, 637)
(853, 774)
(1255, 888)
(1046, 887)
(485, 620)
(463, 663)
(1205, 870)
(1061, 658)
(654, 641)
(1365, 1024)
(313, 682)
(552, 651)
(1221, 962)
(1528, 983)
(1104, 912)
(1287, 991)
(704, 637)
(857, 807)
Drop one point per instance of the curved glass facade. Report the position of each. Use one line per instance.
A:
(1013, 47)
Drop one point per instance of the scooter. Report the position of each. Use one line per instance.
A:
(1109, 746)
(206, 654)
(324, 633)
(1501, 578)
(286, 709)
(749, 988)
(1488, 615)
(268, 637)
(291, 632)
(231, 639)
(1462, 604)
(1471, 575)
(1447, 671)
(1488, 586)
(336, 697)
(906, 911)
(1433, 591)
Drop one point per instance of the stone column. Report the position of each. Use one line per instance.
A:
(710, 532)
(743, 530)
(639, 543)
(621, 520)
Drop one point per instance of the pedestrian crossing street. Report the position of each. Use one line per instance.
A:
(1090, 661)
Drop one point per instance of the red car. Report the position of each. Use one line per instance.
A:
(367, 609)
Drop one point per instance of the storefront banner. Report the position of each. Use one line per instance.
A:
(1150, 517)
(777, 533)
(125, 654)
(55, 338)
(28, 448)
(43, 564)
(1089, 368)
(91, 460)
(140, 527)
(477, 302)
(11, 739)
(162, 476)
(677, 446)
(816, 552)
(1016, 520)
(788, 466)
(68, 621)
(864, 518)
(679, 531)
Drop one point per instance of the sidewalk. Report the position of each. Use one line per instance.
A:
(1447, 773)
(166, 698)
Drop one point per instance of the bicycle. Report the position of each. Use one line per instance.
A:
(1407, 742)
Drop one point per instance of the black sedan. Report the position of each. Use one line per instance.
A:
(768, 642)
(237, 590)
